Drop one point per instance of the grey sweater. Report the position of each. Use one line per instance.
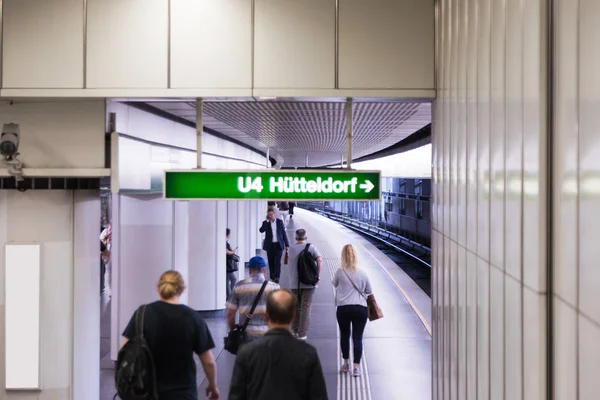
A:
(345, 293)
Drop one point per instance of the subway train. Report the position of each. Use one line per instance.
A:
(404, 208)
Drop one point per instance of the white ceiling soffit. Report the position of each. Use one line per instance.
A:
(297, 129)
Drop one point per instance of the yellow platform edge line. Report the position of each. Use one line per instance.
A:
(406, 296)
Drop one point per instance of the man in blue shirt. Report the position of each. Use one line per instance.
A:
(243, 297)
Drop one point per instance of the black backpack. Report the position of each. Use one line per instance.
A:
(308, 269)
(135, 376)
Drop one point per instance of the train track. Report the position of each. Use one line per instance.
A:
(413, 258)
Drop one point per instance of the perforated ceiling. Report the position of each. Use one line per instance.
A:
(296, 129)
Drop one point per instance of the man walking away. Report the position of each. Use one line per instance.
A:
(243, 296)
(305, 272)
(292, 206)
(275, 241)
(277, 366)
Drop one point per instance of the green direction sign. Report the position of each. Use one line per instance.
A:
(272, 185)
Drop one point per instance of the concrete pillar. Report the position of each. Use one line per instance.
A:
(258, 214)
(66, 224)
(239, 223)
(199, 131)
(206, 277)
(349, 132)
(142, 249)
(181, 242)
(86, 301)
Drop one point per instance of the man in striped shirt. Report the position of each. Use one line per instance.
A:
(243, 296)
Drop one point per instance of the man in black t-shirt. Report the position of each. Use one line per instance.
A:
(175, 332)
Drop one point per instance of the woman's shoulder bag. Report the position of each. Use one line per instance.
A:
(237, 335)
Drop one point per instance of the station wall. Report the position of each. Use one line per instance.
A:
(148, 127)
(145, 145)
(576, 214)
(66, 224)
(58, 134)
(152, 235)
(122, 48)
(65, 134)
(489, 286)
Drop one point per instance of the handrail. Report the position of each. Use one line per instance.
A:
(408, 196)
(343, 220)
(380, 231)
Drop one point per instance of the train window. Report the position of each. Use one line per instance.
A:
(389, 205)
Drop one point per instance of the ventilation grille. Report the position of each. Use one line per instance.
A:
(296, 129)
(9, 183)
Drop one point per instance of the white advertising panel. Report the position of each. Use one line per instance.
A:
(22, 320)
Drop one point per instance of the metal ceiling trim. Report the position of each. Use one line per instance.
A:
(85, 28)
(252, 36)
(337, 45)
(1, 43)
(169, 5)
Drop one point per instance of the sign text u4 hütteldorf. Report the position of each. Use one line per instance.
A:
(272, 185)
(302, 185)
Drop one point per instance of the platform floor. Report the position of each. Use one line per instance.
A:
(397, 348)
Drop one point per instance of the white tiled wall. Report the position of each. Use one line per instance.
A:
(577, 201)
(489, 201)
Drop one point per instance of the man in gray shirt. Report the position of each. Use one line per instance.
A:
(303, 292)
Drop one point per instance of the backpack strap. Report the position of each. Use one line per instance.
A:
(139, 321)
(258, 296)
(297, 267)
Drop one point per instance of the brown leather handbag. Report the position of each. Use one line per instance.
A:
(373, 311)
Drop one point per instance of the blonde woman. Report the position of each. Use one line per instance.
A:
(174, 332)
(352, 285)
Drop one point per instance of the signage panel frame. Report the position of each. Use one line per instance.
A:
(274, 172)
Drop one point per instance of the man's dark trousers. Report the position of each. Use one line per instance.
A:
(274, 254)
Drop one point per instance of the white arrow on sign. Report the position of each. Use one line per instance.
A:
(367, 186)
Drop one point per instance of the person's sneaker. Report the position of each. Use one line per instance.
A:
(302, 337)
(356, 372)
(345, 368)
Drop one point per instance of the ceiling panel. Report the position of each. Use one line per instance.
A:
(297, 129)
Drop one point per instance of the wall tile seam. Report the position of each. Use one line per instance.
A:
(489, 217)
(477, 197)
(522, 203)
(467, 202)
(578, 204)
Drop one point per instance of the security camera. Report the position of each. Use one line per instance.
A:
(9, 141)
